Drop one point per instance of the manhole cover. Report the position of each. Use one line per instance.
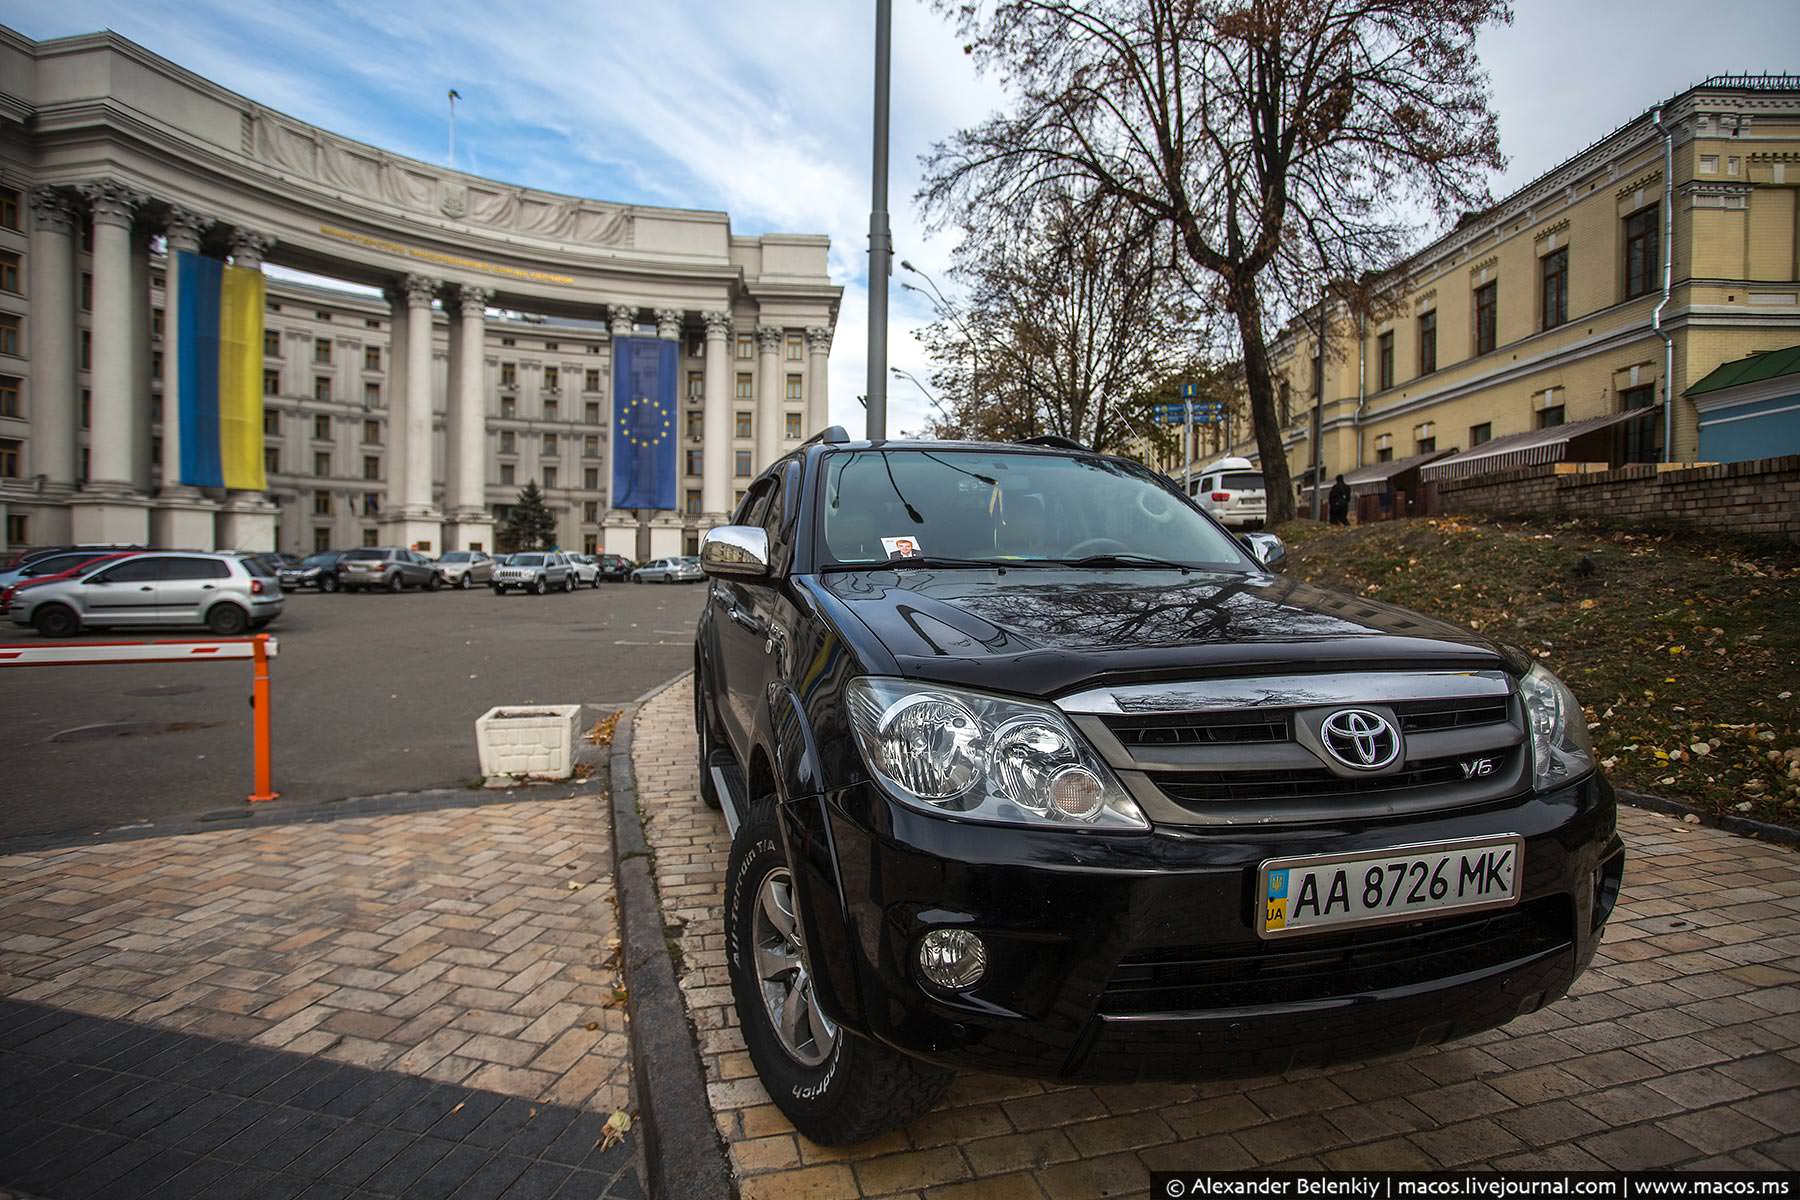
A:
(94, 733)
(167, 689)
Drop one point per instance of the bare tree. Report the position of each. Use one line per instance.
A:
(1280, 143)
(1067, 326)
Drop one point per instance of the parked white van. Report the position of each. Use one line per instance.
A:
(1231, 489)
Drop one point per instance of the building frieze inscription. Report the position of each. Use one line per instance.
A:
(402, 183)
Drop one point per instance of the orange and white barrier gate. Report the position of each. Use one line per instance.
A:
(259, 650)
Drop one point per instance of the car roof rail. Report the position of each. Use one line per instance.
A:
(1053, 440)
(831, 435)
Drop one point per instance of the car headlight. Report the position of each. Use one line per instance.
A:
(1561, 749)
(986, 758)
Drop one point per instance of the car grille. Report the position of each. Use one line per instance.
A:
(1421, 716)
(1193, 729)
(1203, 978)
(1309, 784)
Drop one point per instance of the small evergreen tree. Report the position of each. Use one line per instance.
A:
(531, 525)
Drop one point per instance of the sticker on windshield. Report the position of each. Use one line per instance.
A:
(901, 547)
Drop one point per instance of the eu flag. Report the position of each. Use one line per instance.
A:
(644, 433)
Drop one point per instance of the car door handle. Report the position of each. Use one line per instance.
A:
(146, 588)
(207, 587)
(740, 617)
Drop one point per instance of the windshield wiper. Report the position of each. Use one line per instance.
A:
(917, 560)
(1121, 560)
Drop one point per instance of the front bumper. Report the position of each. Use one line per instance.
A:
(1133, 957)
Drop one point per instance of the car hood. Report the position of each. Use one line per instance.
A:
(1051, 630)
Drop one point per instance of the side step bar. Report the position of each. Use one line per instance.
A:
(728, 782)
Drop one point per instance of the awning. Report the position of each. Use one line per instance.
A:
(1526, 449)
(1375, 476)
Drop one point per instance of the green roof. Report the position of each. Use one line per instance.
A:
(1770, 364)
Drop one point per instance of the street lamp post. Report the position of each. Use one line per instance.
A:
(881, 247)
(908, 375)
(945, 308)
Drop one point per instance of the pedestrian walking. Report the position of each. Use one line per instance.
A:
(1340, 502)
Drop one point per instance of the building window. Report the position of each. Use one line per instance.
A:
(271, 423)
(692, 502)
(590, 478)
(322, 503)
(590, 445)
(370, 537)
(743, 388)
(10, 212)
(509, 374)
(271, 343)
(156, 362)
(1384, 358)
(156, 321)
(371, 467)
(549, 444)
(87, 464)
(12, 347)
(506, 474)
(1641, 435)
(793, 427)
(793, 388)
(550, 346)
(371, 393)
(1425, 445)
(1486, 298)
(1550, 418)
(696, 385)
(590, 512)
(322, 351)
(321, 539)
(590, 543)
(321, 387)
(1641, 251)
(696, 425)
(1553, 270)
(1385, 454)
(549, 477)
(508, 442)
(87, 291)
(371, 432)
(796, 349)
(9, 395)
(509, 407)
(87, 408)
(271, 383)
(694, 461)
(696, 343)
(552, 410)
(746, 348)
(591, 413)
(322, 428)
(371, 358)
(590, 381)
(743, 464)
(9, 337)
(1428, 342)
(9, 271)
(1483, 432)
(272, 460)
(743, 425)
(552, 379)
(322, 464)
(11, 453)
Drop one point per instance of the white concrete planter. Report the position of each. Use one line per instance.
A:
(528, 741)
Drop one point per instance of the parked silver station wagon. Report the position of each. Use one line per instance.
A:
(226, 593)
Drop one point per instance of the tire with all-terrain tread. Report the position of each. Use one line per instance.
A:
(862, 1089)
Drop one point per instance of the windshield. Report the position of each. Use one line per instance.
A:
(1008, 506)
(525, 560)
(456, 556)
(319, 560)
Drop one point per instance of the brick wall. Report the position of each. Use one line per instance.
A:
(1760, 497)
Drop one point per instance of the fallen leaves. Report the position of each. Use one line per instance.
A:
(615, 1129)
(602, 732)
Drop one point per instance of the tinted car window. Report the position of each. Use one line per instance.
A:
(1243, 481)
(457, 556)
(527, 560)
(361, 555)
(320, 560)
(203, 568)
(133, 570)
(57, 562)
(261, 565)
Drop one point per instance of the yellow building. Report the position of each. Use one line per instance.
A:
(1542, 310)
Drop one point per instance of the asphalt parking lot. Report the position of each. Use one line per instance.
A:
(373, 694)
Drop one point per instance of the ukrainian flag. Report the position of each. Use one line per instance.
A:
(218, 337)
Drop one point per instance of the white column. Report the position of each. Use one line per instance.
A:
(818, 379)
(768, 395)
(622, 319)
(113, 205)
(715, 450)
(466, 427)
(182, 516)
(55, 399)
(399, 325)
(422, 519)
(143, 398)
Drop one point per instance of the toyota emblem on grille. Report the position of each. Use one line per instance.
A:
(1359, 738)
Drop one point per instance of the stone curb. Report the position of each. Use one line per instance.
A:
(1743, 826)
(683, 1155)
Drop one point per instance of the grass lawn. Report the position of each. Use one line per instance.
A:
(1684, 648)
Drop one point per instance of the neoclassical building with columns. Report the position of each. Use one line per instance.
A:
(433, 340)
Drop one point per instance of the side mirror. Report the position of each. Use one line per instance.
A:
(735, 550)
(1266, 549)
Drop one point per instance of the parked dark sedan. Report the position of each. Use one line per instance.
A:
(616, 567)
(315, 570)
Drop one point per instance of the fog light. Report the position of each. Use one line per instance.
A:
(1076, 792)
(952, 958)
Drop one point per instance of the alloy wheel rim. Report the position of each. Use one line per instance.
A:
(783, 977)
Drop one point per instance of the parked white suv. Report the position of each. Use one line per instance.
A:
(228, 594)
(1231, 490)
(534, 571)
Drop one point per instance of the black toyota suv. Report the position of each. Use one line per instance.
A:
(1031, 767)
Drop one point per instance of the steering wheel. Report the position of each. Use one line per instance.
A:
(1155, 505)
(1098, 545)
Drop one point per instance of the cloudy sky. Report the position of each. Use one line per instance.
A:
(762, 107)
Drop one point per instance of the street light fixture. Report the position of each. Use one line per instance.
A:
(901, 374)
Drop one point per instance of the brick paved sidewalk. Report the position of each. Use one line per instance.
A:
(1677, 1049)
(457, 956)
